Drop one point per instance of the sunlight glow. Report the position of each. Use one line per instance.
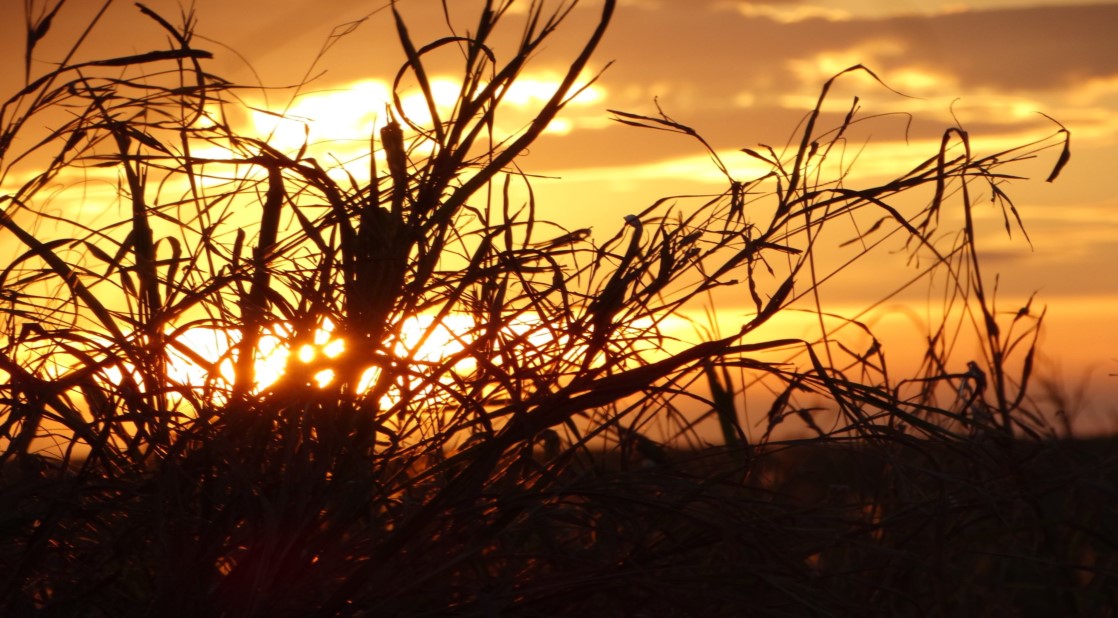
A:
(697, 168)
(352, 114)
(788, 13)
(529, 91)
(835, 10)
(918, 81)
(818, 69)
(560, 126)
(324, 378)
(348, 116)
(423, 340)
(214, 347)
(877, 159)
(444, 91)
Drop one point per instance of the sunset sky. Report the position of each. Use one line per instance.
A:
(743, 74)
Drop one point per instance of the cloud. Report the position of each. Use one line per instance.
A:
(1041, 48)
(791, 12)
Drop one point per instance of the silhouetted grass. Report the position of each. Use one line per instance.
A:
(549, 462)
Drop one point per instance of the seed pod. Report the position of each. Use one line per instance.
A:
(392, 138)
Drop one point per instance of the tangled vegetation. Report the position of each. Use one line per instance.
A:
(547, 462)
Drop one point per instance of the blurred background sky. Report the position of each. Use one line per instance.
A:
(743, 74)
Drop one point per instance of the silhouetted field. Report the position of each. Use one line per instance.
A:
(796, 530)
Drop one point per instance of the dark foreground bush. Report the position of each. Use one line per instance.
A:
(547, 462)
